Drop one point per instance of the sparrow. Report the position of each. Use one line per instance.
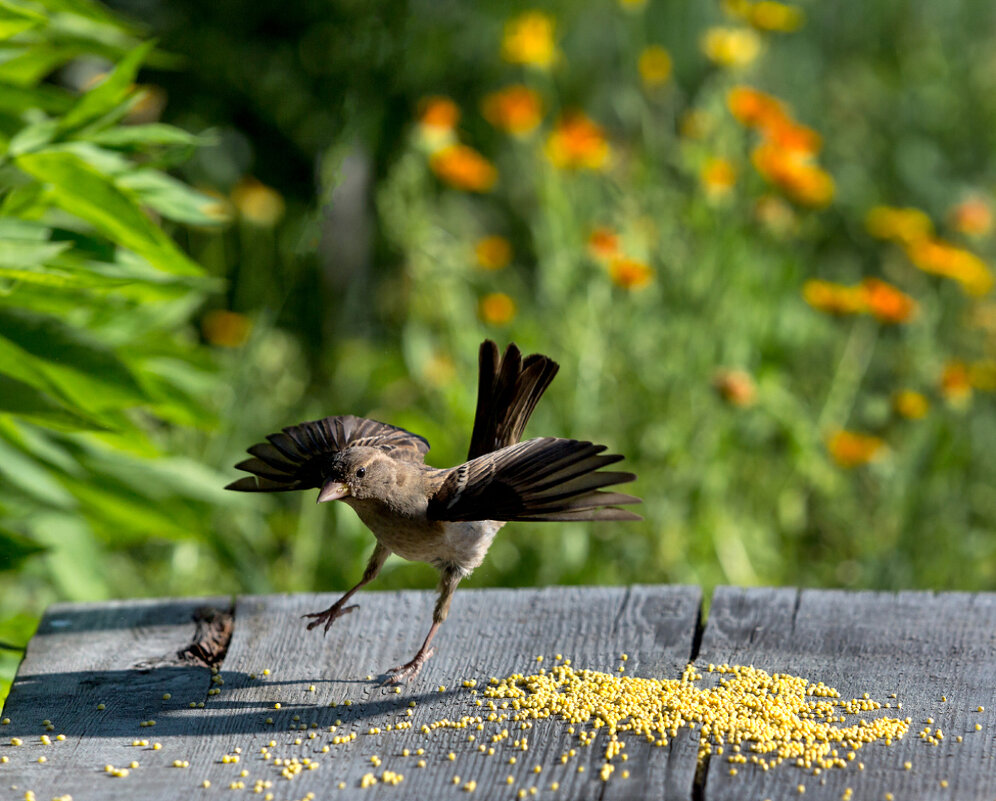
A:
(446, 517)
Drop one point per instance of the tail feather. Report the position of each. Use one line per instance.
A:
(508, 390)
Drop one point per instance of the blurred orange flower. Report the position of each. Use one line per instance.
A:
(577, 142)
(226, 329)
(768, 15)
(493, 252)
(462, 167)
(718, 177)
(904, 225)
(851, 449)
(832, 298)
(630, 273)
(496, 308)
(911, 404)
(731, 47)
(886, 302)
(603, 243)
(736, 387)
(943, 258)
(754, 108)
(956, 384)
(257, 203)
(795, 174)
(654, 66)
(438, 112)
(790, 135)
(516, 109)
(973, 216)
(529, 39)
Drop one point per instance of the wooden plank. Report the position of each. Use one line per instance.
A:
(918, 645)
(489, 633)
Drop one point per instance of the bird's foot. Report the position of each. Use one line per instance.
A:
(329, 616)
(405, 673)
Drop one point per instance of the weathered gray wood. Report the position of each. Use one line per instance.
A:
(489, 633)
(918, 645)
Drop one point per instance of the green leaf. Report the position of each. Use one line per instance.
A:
(81, 190)
(109, 93)
(173, 199)
(156, 133)
(33, 137)
(16, 19)
(18, 99)
(29, 67)
(24, 253)
(31, 479)
(15, 548)
(26, 401)
(85, 371)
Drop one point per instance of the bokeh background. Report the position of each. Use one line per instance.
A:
(757, 236)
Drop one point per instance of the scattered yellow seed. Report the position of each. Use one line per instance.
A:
(101, 707)
(978, 727)
(167, 696)
(206, 783)
(944, 782)
(981, 709)
(907, 765)
(43, 759)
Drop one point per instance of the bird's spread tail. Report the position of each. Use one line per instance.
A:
(507, 392)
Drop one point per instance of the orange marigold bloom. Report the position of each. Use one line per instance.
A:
(768, 15)
(900, 225)
(911, 404)
(795, 174)
(516, 109)
(886, 302)
(736, 387)
(718, 177)
(257, 203)
(438, 112)
(654, 66)
(577, 142)
(462, 167)
(787, 134)
(630, 273)
(529, 39)
(731, 47)
(754, 108)
(942, 258)
(493, 252)
(973, 217)
(226, 329)
(603, 243)
(832, 298)
(497, 308)
(851, 449)
(956, 383)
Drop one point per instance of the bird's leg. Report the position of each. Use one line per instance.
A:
(447, 586)
(338, 609)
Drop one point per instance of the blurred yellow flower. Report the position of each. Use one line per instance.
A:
(718, 178)
(982, 375)
(731, 47)
(462, 167)
(898, 224)
(516, 109)
(695, 123)
(493, 252)
(795, 174)
(257, 203)
(633, 5)
(226, 329)
(973, 217)
(851, 449)
(603, 243)
(887, 303)
(529, 39)
(439, 370)
(577, 142)
(768, 15)
(911, 404)
(943, 258)
(736, 387)
(956, 384)
(832, 298)
(496, 308)
(655, 66)
(630, 273)
(775, 214)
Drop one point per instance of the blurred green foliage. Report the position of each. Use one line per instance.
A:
(339, 274)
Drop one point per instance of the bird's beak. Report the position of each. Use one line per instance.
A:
(332, 491)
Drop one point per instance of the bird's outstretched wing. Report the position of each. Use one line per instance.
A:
(293, 458)
(539, 479)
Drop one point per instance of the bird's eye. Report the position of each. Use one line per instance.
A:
(360, 472)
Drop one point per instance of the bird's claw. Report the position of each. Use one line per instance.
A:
(329, 616)
(402, 674)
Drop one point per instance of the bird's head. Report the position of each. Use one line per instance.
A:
(358, 472)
